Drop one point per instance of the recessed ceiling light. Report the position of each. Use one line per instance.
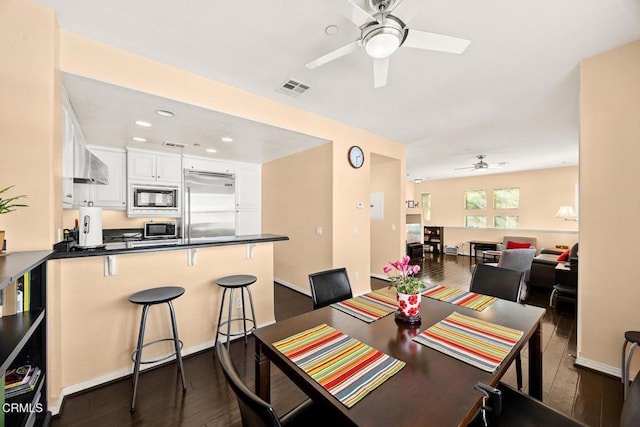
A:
(226, 139)
(139, 139)
(417, 180)
(211, 150)
(165, 113)
(143, 123)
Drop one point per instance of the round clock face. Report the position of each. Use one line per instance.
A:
(356, 156)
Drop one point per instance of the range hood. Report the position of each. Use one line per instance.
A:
(87, 168)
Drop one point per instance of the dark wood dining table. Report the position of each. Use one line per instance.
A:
(432, 389)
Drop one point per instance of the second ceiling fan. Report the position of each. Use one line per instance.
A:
(382, 33)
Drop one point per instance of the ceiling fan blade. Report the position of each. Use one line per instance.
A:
(497, 165)
(333, 55)
(354, 13)
(432, 41)
(380, 72)
(461, 169)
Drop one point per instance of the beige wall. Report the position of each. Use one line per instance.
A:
(609, 152)
(542, 192)
(30, 123)
(296, 199)
(386, 232)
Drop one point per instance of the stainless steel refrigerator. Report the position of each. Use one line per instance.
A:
(209, 205)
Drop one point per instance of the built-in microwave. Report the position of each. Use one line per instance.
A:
(153, 200)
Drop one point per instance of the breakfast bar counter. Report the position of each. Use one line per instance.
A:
(150, 245)
(96, 326)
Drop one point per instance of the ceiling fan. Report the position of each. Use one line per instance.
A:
(382, 33)
(482, 165)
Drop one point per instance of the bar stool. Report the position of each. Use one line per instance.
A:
(632, 337)
(147, 298)
(241, 281)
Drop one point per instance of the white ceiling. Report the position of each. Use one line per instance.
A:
(512, 95)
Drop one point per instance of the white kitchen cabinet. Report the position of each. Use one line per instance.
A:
(248, 221)
(207, 165)
(67, 156)
(248, 186)
(148, 166)
(248, 198)
(112, 196)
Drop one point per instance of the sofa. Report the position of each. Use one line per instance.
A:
(543, 267)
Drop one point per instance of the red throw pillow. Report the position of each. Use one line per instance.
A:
(518, 245)
(564, 256)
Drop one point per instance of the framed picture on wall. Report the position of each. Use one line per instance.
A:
(410, 203)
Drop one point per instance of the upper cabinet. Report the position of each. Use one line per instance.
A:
(149, 166)
(248, 186)
(114, 194)
(67, 151)
(206, 165)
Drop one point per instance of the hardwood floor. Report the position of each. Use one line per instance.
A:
(591, 397)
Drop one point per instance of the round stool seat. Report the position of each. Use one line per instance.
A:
(236, 281)
(632, 336)
(156, 295)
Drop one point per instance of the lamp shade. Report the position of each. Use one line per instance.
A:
(566, 212)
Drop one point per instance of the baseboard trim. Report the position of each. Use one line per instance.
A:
(125, 372)
(293, 287)
(614, 371)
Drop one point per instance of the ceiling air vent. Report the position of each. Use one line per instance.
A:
(173, 144)
(293, 88)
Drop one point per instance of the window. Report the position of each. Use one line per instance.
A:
(506, 221)
(475, 221)
(475, 199)
(425, 199)
(506, 198)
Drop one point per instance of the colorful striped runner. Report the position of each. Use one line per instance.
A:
(459, 297)
(369, 307)
(345, 367)
(474, 341)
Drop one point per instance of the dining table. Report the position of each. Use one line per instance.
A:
(433, 388)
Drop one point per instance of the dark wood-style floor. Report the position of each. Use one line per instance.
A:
(591, 397)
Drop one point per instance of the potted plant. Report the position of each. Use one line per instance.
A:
(408, 286)
(7, 205)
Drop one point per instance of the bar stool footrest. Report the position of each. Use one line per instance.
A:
(235, 334)
(161, 358)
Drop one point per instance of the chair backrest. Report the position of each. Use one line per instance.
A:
(254, 411)
(518, 260)
(330, 286)
(497, 282)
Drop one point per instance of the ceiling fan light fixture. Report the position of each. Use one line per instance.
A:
(382, 43)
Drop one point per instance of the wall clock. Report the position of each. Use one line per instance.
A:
(356, 157)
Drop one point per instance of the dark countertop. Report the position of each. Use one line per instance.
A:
(142, 246)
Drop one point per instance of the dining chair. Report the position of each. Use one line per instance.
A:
(518, 260)
(254, 411)
(505, 406)
(500, 283)
(329, 287)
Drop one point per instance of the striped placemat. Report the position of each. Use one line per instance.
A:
(369, 307)
(474, 341)
(459, 297)
(345, 367)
